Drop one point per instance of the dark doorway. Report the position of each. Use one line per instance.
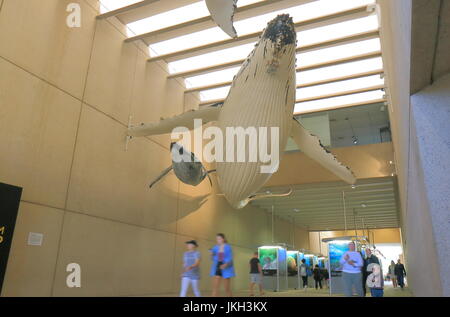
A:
(9, 206)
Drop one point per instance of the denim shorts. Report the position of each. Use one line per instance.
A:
(255, 278)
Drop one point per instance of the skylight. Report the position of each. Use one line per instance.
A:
(214, 58)
(177, 16)
(353, 50)
(303, 59)
(306, 107)
(339, 70)
(212, 78)
(304, 37)
(319, 90)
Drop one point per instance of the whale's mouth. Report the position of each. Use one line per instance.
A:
(281, 31)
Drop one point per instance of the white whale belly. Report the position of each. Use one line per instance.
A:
(239, 180)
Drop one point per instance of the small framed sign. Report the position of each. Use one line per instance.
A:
(35, 238)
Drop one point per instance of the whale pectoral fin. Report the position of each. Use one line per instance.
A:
(207, 174)
(207, 114)
(164, 173)
(222, 12)
(311, 146)
(271, 195)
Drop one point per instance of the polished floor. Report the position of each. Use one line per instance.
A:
(389, 291)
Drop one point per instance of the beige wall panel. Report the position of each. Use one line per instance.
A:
(201, 212)
(111, 72)
(116, 259)
(35, 36)
(204, 214)
(301, 239)
(314, 242)
(250, 228)
(112, 183)
(95, 4)
(31, 269)
(154, 96)
(283, 231)
(38, 126)
(366, 161)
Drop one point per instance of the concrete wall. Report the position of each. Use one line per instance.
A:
(428, 206)
(395, 30)
(420, 137)
(66, 95)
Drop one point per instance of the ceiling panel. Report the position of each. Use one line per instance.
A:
(372, 203)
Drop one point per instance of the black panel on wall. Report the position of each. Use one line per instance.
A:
(9, 206)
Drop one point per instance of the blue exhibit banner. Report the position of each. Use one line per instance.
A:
(292, 257)
(336, 249)
(268, 257)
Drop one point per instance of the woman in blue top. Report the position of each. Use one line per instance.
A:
(222, 268)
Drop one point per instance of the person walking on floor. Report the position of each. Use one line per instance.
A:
(304, 274)
(370, 259)
(191, 271)
(392, 275)
(400, 273)
(255, 274)
(352, 263)
(222, 268)
(375, 281)
(326, 277)
(317, 274)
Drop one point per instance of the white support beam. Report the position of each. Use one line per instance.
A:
(322, 97)
(144, 9)
(210, 69)
(250, 11)
(215, 46)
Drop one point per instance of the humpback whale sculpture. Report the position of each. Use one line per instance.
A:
(222, 12)
(262, 95)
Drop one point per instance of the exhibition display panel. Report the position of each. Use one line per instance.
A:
(309, 261)
(336, 248)
(293, 269)
(274, 265)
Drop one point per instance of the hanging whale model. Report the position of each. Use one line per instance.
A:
(262, 95)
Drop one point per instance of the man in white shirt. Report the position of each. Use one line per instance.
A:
(352, 263)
